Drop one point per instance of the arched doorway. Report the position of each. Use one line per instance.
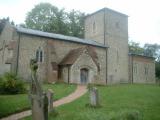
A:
(84, 76)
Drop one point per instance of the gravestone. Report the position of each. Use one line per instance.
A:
(50, 96)
(94, 97)
(45, 107)
(39, 100)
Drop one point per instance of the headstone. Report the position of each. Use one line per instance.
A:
(50, 96)
(39, 101)
(94, 97)
(45, 107)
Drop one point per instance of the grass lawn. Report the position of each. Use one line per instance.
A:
(14, 103)
(114, 99)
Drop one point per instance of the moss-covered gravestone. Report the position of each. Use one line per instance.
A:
(94, 97)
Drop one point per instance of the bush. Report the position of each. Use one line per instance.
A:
(11, 84)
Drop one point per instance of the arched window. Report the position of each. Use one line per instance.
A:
(39, 55)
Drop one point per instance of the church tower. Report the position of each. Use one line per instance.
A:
(110, 28)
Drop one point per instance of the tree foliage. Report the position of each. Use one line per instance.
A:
(158, 70)
(135, 48)
(152, 50)
(49, 18)
(76, 23)
(3, 22)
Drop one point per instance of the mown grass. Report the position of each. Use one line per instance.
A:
(143, 100)
(15, 103)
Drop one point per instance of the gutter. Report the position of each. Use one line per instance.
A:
(68, 74)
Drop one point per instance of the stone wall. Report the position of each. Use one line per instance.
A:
(65, 76)
(116, 35)
(111, 30)
(54, 52)
(5, 37)
(27, 50)
(142, 69)
(84, 61)
(94, 27)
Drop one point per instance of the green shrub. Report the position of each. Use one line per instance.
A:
(11, 84)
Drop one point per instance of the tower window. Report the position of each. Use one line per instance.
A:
(41, 56)
(117, 25)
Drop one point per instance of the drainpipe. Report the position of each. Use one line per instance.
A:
(17, 59)
(106, 66)
(132, 69)
(68, 74)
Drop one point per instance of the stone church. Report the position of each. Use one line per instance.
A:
(102, 57)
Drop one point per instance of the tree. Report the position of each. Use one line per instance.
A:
(58, 23)
(40, 17)
(135, 48)
(76, 23)
(158, 69)
(46, 17)
(152, 50)
(3, 22)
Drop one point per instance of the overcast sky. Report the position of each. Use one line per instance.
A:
(144, 16)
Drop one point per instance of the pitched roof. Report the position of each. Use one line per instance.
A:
(59, 37)
(105, 9)
(72, 56)
(138, 55)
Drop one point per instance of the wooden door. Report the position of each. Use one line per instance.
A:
(84, 76)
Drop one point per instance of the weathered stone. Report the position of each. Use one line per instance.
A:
(94, 97)
(37, 108)
(50, 95)
(39, 101)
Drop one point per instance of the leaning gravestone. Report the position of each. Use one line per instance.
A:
(94, 97)
(39, 100)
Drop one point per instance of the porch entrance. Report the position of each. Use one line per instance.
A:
(84, 76)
